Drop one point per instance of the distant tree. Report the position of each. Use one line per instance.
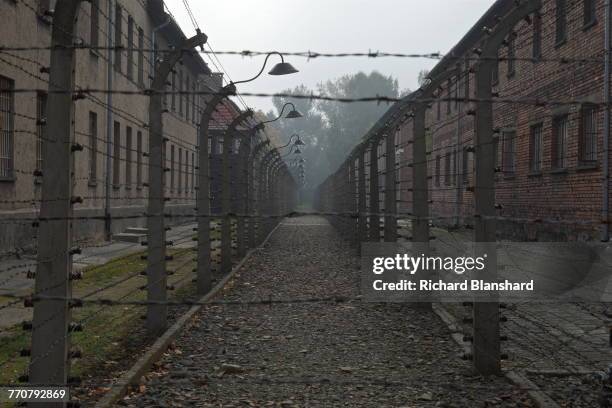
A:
(331, 129)
(423, 74)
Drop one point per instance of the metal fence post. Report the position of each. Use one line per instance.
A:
(204, 273)
(226, 193)
(390, 189)
(49, 362)
(156, 239)
(374, 210)
(486, 337)
(363, 219)
(254, 190)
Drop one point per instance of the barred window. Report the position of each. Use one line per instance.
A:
(118, 35)
(93, 146)
(535, 148)
(94, 15)
(41, 118)
(7, 117)
(559, 142)
(495, 73)
(511, 55)
(116, 155)
(508, 152)
(449, 95)
(588, 135)
(561, 22)
(128, 157)
(590, 12)
(130, 45)
(141, 57)
(537, 36)
(139, 159)
(194, 105)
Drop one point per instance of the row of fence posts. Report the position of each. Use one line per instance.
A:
(352, 194)
(264, 190)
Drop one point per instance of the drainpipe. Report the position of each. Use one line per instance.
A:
(109, 121)
(605, 231)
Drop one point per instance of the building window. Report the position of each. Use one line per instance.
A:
(467, 79)
(93, 147)
(447, 167)
(511, 55)
(588, 135)
(508, 151)
(7, 117)
(439, 114)
(128, 157)
(437, 175)
(559, 142)
(187, 99)
(173, 97)
(186, 171)
(465, 165)
(535, 148)
(590, 13)
(193, 166)
(140, 57)
(449, 94)
(94, 15)
(139, 159)
(172, 168)
(537, 36)
(495, 72)
(180, 96)
(116, 155)
(130, 45)
(118, 35)
(194, 105)
(41, 118)
(179, 184)
(561, 22)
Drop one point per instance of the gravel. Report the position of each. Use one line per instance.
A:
(352, 354)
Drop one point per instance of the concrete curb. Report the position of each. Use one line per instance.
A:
(155, 352)
(538, 396)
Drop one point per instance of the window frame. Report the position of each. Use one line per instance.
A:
(7, 85)
(536, 163)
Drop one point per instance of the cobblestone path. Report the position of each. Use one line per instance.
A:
(351, 354)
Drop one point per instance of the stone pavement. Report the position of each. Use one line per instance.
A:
(314, 354)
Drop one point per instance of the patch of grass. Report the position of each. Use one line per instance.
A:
(113, 336)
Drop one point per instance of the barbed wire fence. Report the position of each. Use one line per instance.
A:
(437, 182)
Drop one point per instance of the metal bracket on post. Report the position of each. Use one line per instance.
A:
(49, 364)
(156, 258)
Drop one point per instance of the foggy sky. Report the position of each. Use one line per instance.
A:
(406, 26)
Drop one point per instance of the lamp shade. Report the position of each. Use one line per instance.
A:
(283, 68)
(294, 114)
(299, 142)
(298, 151)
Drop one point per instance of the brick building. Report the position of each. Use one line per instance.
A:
(550, 157)
(111, 171)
